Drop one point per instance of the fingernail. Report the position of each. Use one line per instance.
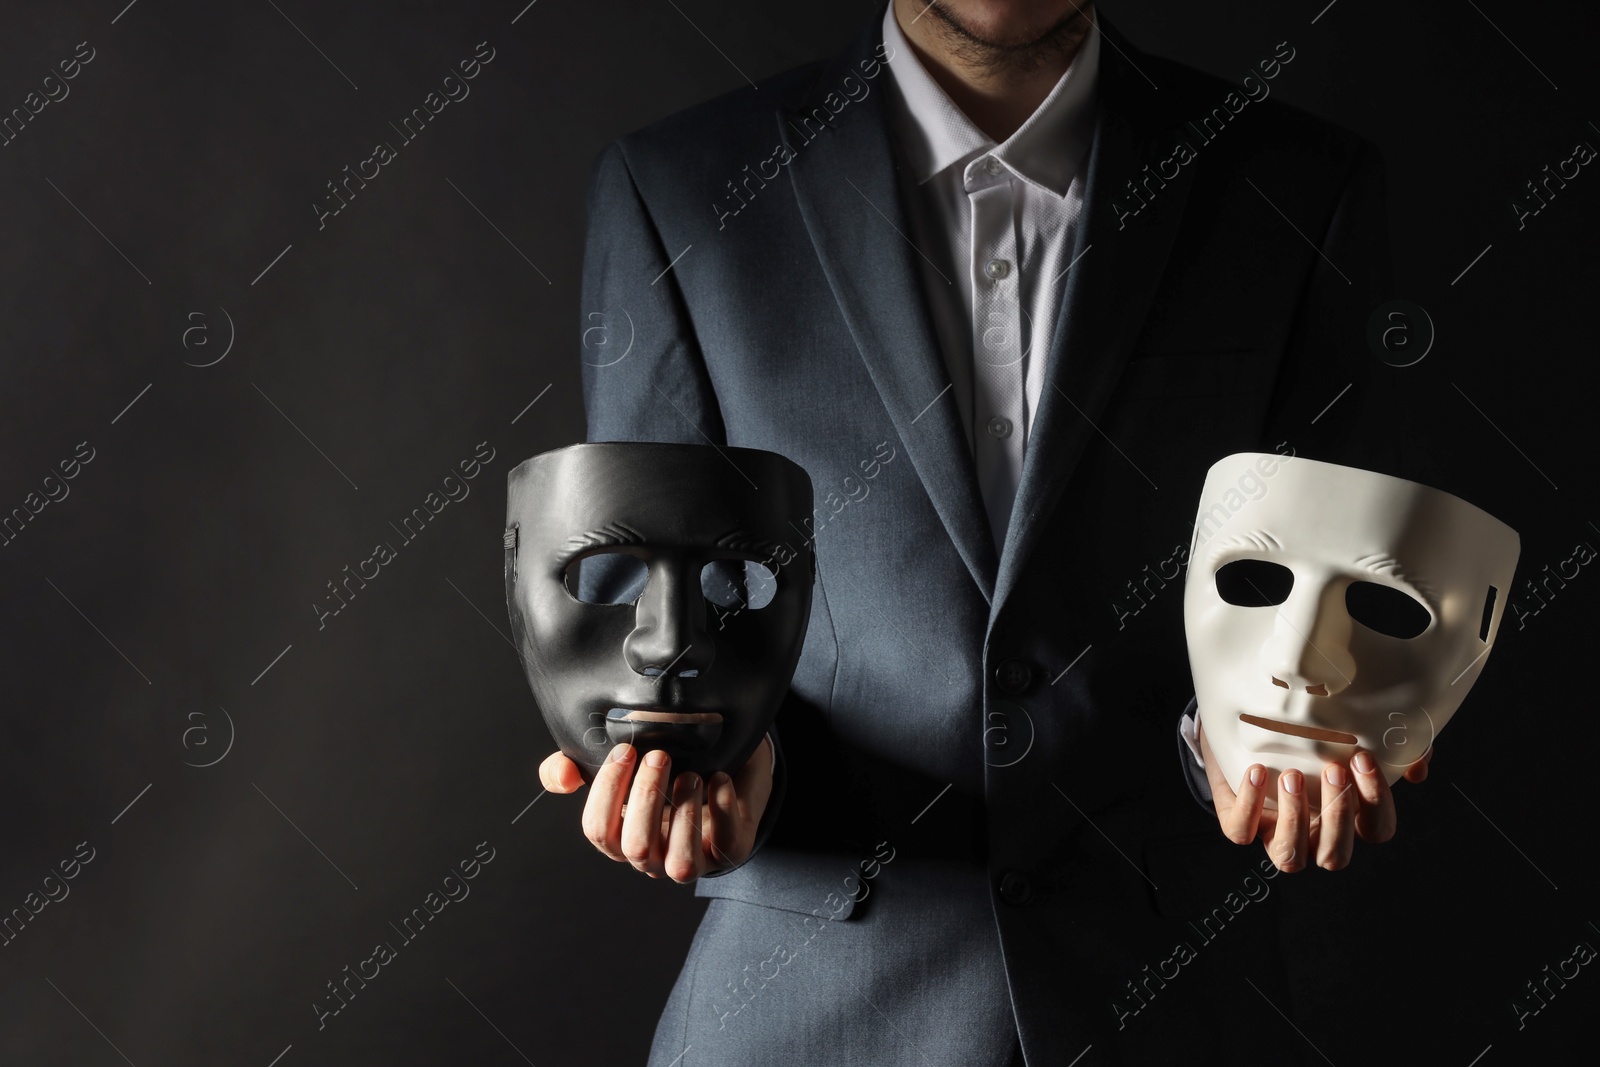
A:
(691, 782)
(1363, 762)
(656, 758)
(1258, 774)
(1335, 775)
(622, 753)
(1291, 782)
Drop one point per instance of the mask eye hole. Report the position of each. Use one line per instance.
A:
(1254, 583)
(738, 583)
(1386, 609)
(606, 578)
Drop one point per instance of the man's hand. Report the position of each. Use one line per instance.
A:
(1361, 808)
(683, 836)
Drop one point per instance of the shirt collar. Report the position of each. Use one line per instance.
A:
(1046, 150)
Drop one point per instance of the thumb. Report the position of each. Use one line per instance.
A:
(559, 774)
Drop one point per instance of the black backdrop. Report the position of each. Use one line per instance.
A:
(158, 608)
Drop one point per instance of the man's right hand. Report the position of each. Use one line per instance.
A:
(702, 827)
(1357, 803)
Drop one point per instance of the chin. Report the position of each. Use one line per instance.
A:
(1009, 22)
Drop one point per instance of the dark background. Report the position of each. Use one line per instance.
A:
(141, 611)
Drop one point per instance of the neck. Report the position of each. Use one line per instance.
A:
(997, 76)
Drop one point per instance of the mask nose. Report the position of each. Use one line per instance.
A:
(1309, 650)
(669, 634)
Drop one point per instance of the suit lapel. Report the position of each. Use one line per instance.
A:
(845, 183)
(1108, 293)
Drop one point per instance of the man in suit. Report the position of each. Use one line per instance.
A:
(1005, 286)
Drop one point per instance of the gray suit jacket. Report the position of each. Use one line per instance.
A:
(1000, 727)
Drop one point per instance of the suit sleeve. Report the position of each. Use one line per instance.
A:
(644, 377)
(1194, 768)
(1335, 399)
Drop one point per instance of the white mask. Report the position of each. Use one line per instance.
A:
(1328, 608)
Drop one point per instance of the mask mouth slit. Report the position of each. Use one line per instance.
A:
(662, 715)
(1313, 733)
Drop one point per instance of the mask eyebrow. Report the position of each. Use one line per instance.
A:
(616, 534)
(608, 536)
(1392, 568)
(740, 541)
(1254, 540)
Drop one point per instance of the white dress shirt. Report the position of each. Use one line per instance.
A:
(995, 226)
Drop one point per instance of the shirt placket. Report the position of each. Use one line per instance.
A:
(998, 412)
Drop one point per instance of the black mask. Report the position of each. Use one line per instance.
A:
(656, 596)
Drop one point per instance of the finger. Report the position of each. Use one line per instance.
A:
(1376, 819)
(1222, 794)
(1418, 771)
(1336, 834)
(721, 835)
(602, 813)
(1291, 838)
(686, 857)
(753, 784)
(1241, 820)
(559, 774)
(642, 843)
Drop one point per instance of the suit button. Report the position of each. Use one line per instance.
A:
(1014, 676)
(1016, 888)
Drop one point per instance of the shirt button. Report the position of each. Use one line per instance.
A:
(997, 268)
(1016, 888)
(992, 165)
(999, 427)
(1014, 676)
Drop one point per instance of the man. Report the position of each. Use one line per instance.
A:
(1005, 287)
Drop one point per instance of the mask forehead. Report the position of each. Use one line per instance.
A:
(666, 496)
